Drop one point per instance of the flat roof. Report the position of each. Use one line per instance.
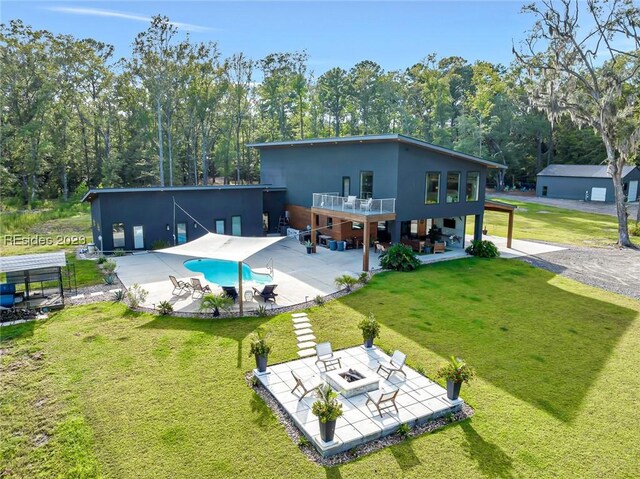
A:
(9, 264)
(395, 137)
(91, 194)
(582, 171)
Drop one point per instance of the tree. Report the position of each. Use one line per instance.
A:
(586, 75)
(332, 93)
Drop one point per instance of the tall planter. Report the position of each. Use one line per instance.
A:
(261, 363)
(368, 343)
(327, 430)
(453, 389)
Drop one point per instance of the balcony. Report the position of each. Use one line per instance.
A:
(357, 206)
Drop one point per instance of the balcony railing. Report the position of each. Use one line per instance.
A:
(351, 204)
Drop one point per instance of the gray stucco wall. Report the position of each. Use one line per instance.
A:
(575, 188)
(273, 204)
(154, 211)
(305, 170)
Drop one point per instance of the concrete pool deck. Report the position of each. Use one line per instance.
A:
(300, 277)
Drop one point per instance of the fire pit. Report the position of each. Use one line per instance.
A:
(351, 382)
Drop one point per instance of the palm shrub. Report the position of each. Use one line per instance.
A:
(399, 257)
(346, 281)
(483, 249)
(165, 308)
(215, 302)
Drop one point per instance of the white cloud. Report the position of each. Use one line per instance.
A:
(96, 12)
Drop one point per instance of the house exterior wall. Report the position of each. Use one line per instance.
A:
(96, 223)
(154, 210)
(273, 203)
(570, 188)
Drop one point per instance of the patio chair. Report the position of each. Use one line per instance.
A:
(267, 292)
(178, 286)
(395, 366)
(198, 288)
(306, 385)
(326, 357)
(366, 205)
(383, 400)
(231, 292)
(351, 202)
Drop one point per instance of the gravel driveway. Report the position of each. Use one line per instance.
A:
(613, 269)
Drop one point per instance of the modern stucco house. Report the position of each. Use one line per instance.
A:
(585, 182)
(385, 187)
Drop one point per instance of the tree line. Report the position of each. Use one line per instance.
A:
(176, 113)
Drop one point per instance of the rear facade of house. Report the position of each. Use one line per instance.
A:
(586, 182)
(390, 187)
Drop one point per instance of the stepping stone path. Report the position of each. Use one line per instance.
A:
(304, 333)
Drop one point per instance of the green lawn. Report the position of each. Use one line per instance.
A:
(557, 225)
(99, 391)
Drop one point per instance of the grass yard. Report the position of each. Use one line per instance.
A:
(97, 391)
(557, 225)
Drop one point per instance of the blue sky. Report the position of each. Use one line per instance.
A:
(394, 34)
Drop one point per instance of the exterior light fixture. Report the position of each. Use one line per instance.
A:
(168, 227)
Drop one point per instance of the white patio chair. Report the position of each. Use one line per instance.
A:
(366, 205)
(326, 357)
(383, 400)
(306, 385)
(395, 366)
(350, 202)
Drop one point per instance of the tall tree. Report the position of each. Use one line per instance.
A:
(585, 74)
(332, 93)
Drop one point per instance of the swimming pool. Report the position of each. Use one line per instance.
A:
(225, 273)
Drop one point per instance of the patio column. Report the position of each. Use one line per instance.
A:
(365, 247)
(510, 229)
(313, 228)
(240, 293)
(477, 227)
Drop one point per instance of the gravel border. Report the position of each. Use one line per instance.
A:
(308, 450)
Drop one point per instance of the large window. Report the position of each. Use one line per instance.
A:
(138, 237)
(265, 222)
(473, 185)
(346, 185)
(118, 235)
(220, 227)
(453, 187)
(432, 195)
(366, 184)
(236, 225)
(181, 232)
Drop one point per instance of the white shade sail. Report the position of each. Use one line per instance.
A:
(215, 246)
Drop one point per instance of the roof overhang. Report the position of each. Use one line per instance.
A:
(223, 247)
(30, 262)
(498, 206)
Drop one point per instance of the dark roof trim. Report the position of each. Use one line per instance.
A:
(491, 205)
(91, 194)
(378, 139)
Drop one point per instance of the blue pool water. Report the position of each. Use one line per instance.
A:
(224, 273)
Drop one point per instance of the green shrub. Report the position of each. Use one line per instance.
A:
(403, 430)
(160, 244)
(109, 266)
(363, 278)
(119, 252)
(346, 281)
(109, 279)
(136, 295)
(319, 300)
(261, 311)
(165, 308)
(634, 230)
(370, 327)
(102, 259)
(215, 302)
(118, 296)
(399, 257)
(483, 249)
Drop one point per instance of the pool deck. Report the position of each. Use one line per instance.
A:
(300, 276)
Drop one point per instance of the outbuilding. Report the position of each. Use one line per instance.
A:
(585, 182)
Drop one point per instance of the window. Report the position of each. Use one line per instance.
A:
(329, 223)
(453, 187)
(473, 185)
(346, 185)
(414, 228)
(357, 226)
(138, 237)
(118, 235)
(544, 191)
(220, 227)
(236, 225)
(432, 195)
(449, 223)
(181, 230)
(366, 184)
(265, 222)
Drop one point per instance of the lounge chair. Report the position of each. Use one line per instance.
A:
(267, 292)
(350, 203)
(326, 357)
(383, 400)
(231, 292)
(306, 385)
(366, 205)
(198, 288)
(178, 286)
(395, 366)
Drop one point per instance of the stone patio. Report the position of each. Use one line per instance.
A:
(419, 400)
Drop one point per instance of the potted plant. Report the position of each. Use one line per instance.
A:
(215, 302)
(484, 230)
(370, 330)
(310, 246)
(328, 409)
(260, 348)
(455, 372)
